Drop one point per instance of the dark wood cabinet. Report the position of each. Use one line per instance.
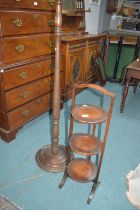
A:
(78, 57)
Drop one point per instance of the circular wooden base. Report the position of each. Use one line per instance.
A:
(82, 170)
(49, 162)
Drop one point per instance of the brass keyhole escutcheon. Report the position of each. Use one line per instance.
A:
(25, 113)
(23, 74)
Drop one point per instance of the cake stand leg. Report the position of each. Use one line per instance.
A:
(65, 176)
(93, 190)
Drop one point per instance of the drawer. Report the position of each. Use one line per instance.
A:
(27, 112)
(26, 22)
(29, 4)
(20, 48)
(28, 92)
(24, 74)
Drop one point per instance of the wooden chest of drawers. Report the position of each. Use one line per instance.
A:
(27, 44)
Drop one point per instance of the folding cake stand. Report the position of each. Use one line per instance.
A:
(83, 169)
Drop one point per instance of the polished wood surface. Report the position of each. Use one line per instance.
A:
(78, 59)
(28, 4)
(27, 73)
(85, 144)
(89, 114)
(20, 48)
(13, 23)
(26, 62)
(81, 170)
(132, 72)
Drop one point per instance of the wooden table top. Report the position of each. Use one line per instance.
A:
(135, 64)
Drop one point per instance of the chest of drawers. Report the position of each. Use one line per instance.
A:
(27, 44)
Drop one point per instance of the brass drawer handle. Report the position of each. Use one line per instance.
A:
(17, 0)
(17, 22)
(25, 113)
(20, 48)
(51, 22)
(51, 2)
(51, 44)
(23, 74)
(38, 101)
(24, 94)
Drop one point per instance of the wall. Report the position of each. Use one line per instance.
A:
(98, 20)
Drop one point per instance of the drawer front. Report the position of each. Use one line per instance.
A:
(20, 48)
(29, 4)
(21, 75)
(27, 112)
(28, 92)
(24, 22)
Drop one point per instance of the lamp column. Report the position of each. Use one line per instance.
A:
(54, 157)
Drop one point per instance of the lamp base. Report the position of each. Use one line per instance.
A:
(52, 163)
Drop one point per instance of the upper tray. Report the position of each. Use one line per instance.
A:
(89, 114)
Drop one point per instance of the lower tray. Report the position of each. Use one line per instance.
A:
(81, 170)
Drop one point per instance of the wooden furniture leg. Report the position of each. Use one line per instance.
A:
(125, 93)
(65, 176)
(93, 190)
(136, 82)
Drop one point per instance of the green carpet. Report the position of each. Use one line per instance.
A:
(31, 188)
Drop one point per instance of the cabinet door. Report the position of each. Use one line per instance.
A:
(76, 66)
(92, 55)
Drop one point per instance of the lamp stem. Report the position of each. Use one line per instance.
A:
(56, 92)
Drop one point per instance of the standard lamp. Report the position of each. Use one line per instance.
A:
(53, 157)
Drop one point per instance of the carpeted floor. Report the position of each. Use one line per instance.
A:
(5, 204)
(31, 188)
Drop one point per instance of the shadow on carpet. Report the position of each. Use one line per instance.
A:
(5, 204)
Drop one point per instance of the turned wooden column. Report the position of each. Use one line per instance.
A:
(54, 157)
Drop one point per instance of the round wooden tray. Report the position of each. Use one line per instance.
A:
(81, 170)
(85, 144)
(89, 114)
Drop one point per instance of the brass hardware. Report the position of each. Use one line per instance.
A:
(38, 101)
(24, 94)
(51, 22)
(17, 22)
(51, 2)
(51, 83)
(51, 44)
(17, 0)
(20, 48)
(25, 113)
(52, 66)
(23, 74)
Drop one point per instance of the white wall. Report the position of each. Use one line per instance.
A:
(98, 19)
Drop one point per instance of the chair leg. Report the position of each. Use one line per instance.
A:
(93, 190)
(65, 176)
